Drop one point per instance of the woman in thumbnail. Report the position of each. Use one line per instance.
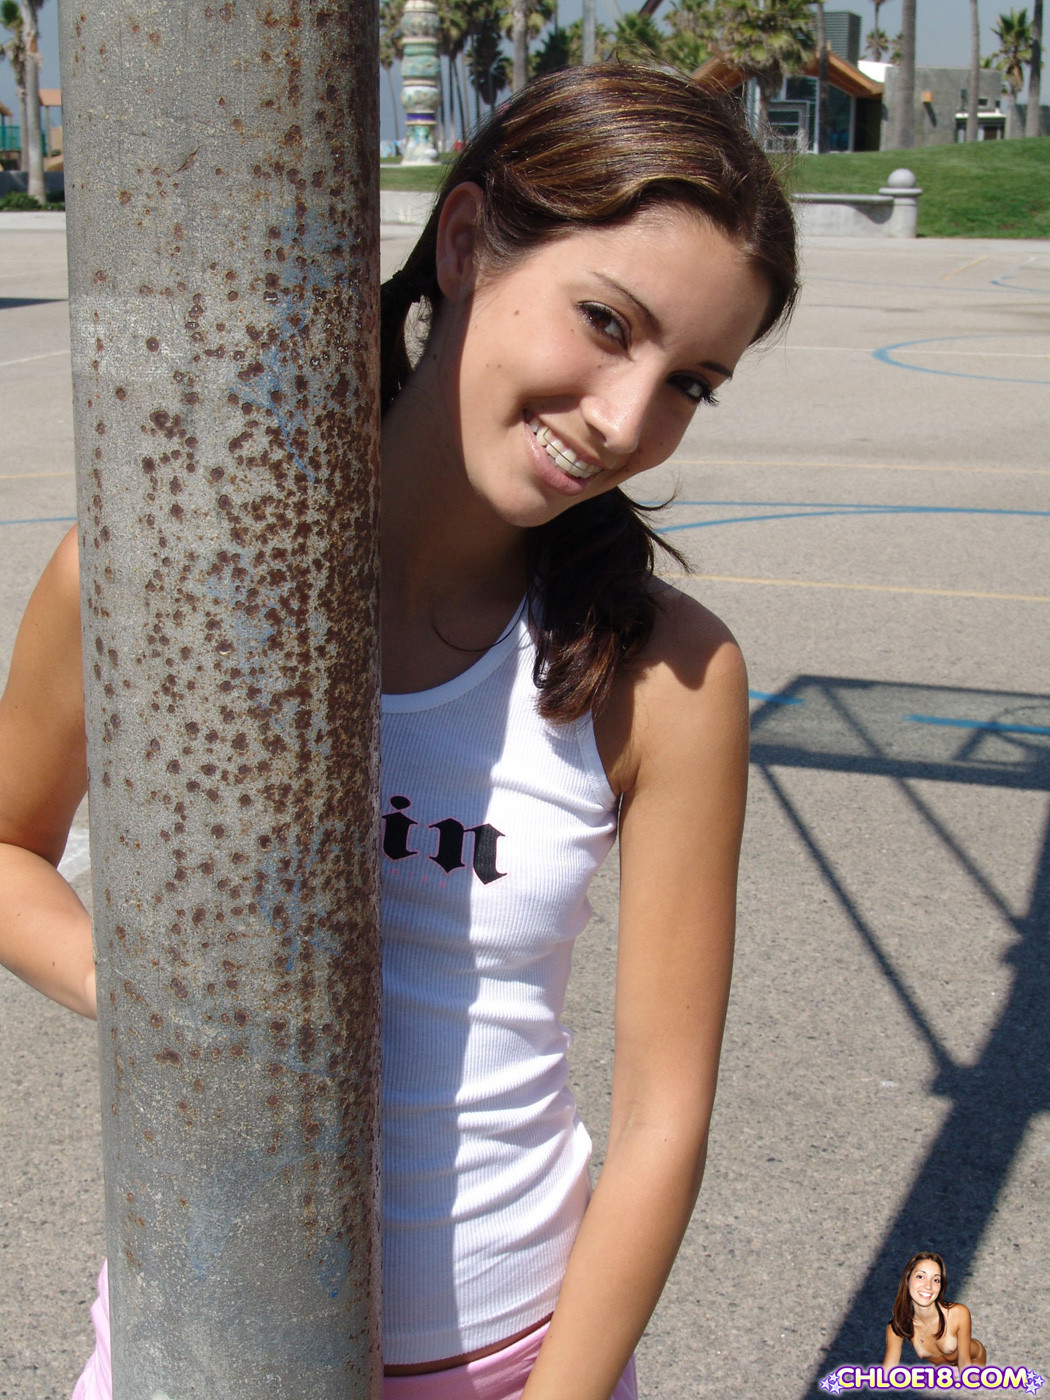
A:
(938, 1330)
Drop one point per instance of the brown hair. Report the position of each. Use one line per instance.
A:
(903, 1320)
(586, 148)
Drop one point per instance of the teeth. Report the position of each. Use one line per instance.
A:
(561, 455)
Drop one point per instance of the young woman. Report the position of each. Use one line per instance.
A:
(938, 1330)
(602, 255)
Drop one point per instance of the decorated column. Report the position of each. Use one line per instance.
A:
(421, 80)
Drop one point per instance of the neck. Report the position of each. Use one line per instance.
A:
(442, 546)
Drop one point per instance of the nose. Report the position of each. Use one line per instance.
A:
(618, 410)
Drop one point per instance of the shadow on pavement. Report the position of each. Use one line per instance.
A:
(985, 738)
(9, 303)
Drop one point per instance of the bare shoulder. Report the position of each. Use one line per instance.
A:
(686, 690)
(688, 638)
(42, 749)
(55, 602)
(958, 1312)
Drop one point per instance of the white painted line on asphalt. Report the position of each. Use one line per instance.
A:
(28, 359)
(30, 476)
(964, 267)
(851, 466)
(865, 587)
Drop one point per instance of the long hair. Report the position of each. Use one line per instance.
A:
(903, 1320)
(590, 148)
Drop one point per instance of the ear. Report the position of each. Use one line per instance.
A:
(455, 241)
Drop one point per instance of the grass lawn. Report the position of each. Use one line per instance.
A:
(409, 177)
(992, 189)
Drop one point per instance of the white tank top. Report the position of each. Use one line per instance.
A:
(493, 823)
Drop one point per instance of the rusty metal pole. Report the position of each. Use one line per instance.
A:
(223, 252)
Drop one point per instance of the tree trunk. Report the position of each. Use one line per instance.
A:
(34, 159)
(458, 77)
(822, 79)
(904, 125)
(520, 35)
(972, 129)
(590, 41)
(1033, 117)
(393, 102)
(1011, 115)
(23, 128)
(762, 133)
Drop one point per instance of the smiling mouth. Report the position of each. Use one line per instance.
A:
(562, 456)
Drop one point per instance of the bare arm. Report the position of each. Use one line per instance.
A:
(45, 931)
(894, 1346)
(961, 1320)
(682, 752)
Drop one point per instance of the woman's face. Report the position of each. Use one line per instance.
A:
(583, 364)
(924, 1285)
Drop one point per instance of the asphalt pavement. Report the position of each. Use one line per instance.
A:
(869, 510)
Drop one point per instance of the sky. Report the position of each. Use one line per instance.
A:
(942, 36)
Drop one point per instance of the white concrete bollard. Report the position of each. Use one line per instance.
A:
(904, 221)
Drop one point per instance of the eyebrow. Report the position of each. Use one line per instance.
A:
(652, 322)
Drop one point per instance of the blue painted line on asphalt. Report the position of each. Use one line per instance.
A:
(750, 519)
(803, 510)
(885, 354)
(1004, 282)
(43, 520)
(992, 725)
(772, 699)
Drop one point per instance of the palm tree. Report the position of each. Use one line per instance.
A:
(519, 23)
(32, 153)
(822, 79)
(454, 18)
(1033, 116)
(877, 45)
(1015, 47)
(15, 52)
(537, 15)
(563, 48)
(489, 67)
(688, 45)
(638, 39)
(904, 123)
(975, 73)
(763, 41)
(391, 47)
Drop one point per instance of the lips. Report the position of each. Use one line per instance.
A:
(560, 454)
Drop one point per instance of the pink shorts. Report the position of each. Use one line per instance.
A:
(501, 1376)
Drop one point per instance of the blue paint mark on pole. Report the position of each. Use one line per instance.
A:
(802, 510)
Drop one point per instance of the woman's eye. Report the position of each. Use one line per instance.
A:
(605, 321)
(697, 391)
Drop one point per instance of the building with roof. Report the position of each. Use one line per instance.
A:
(854, 105)
(861, 96)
